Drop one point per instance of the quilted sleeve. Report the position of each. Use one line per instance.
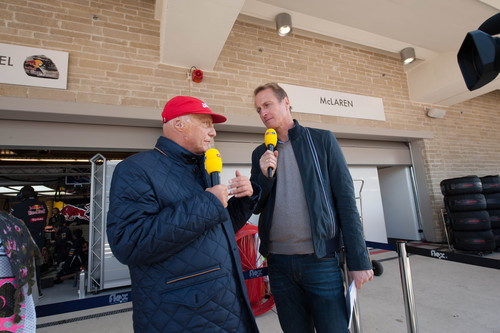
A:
(345, 204)
(140, 233)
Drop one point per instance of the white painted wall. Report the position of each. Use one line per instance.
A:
(373, 213)
(369, 202)
(399, 204)
(228, 172)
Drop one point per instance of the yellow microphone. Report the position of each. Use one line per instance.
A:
(213, 164)
(270, 139)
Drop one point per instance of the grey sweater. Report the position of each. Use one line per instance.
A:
(291, 227)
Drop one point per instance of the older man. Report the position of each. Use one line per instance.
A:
(305, 205)
(176, 232)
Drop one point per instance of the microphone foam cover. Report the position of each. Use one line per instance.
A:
(213, 161)
(271, 138)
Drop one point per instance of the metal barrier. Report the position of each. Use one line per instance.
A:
(407, 285)
(402, 248)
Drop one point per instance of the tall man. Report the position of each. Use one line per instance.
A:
(176, 232)
(306, 206)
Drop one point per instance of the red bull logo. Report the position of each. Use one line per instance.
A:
(36, 210)
(72, 213)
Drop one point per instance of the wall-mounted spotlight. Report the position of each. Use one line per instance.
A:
(283, 24)
(435, 113)
(407, 55)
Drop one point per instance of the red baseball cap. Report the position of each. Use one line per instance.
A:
(182, 105)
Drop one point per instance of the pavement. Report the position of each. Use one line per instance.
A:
(449, 297)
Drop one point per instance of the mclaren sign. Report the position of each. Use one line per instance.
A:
(333, 103)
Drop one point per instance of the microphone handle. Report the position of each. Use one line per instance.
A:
(270, 170)
(215, 178)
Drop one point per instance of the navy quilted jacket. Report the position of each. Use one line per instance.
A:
(178, 241)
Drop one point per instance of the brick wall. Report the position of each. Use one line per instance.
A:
(114, 54)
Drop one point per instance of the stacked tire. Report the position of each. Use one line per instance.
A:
(469, 220)
(491, 191)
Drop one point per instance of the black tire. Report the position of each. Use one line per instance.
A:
(465, 202)
(496, 233)
(377, 267)
(470, 221)
(492, 200)
(474, 241)
(491, 184)
(462, 185)
(494, 218)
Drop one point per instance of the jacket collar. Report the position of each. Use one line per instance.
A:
(177, 152)
(296, 131)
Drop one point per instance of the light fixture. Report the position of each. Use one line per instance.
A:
(283, 24)
(407, 55)
(435, 113)
(54, 193)
(4, 190)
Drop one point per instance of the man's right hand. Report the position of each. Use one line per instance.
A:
(269, 159)
(220, 191)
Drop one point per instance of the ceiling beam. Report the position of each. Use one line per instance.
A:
(193, 32)
(331, 29)
(439, 81)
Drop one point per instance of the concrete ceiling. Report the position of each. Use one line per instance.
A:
(435, 29)
(439, 26)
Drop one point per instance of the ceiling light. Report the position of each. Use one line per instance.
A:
(7, 190)
(54, 193)
(42, 188)
(283, 24)
(407, 55)
(38, 188)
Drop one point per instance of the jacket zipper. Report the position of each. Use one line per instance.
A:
(318, 172)
(193, 275)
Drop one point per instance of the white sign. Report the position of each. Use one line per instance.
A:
(333, 103)
(31, 66)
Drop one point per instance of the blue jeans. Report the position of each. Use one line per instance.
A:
(308, 292)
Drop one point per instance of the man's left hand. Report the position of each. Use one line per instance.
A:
(240, 186)
(360, 277)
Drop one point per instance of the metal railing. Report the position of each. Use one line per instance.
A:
(97, 223)
(407, 286)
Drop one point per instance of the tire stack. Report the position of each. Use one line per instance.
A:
(469, 220)
(491, 191)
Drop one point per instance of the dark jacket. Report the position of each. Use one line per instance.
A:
(178, 241)
(33, 212)
(325, 223)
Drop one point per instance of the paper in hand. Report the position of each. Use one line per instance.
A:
(350, 300)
